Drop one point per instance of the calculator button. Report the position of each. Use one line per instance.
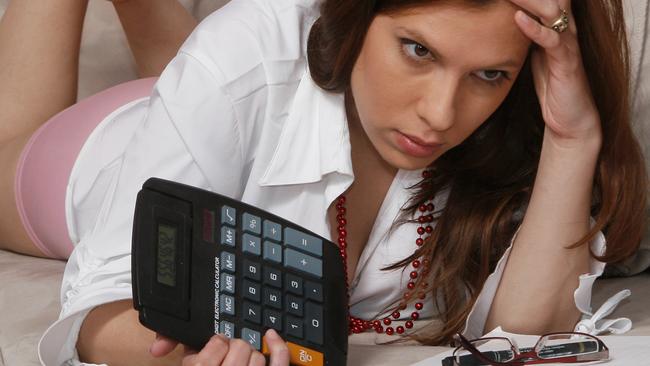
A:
(299, 355)
(294, 326)
(251, 244)
(252, 337)
(293, 284)
(252, 312)
(227, 262)
(208, 226)
(228, 283)
(294, 305)
(272, 298)
(227, 304)
(314, 322)
(272, 230)
(314, 291)
(303, 241)
(228, 215)
(272, 252)
(303, 262)
(252, 291)
(251, 223)
(252, 270)
(228, 236)
(272, 277)
(273, 319)
(227, 329)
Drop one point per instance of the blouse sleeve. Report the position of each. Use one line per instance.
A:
(189, 118)
(592, 323)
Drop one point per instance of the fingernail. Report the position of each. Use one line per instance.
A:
(522, 16)
(272, 333)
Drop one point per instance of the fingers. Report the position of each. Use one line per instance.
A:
(239, 353)
(546, 11)
(213, 353)
(277, 347)
(257, 359)
(162, 345)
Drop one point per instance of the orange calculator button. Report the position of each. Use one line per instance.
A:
(299, 355)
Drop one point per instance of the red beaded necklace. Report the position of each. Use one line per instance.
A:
(358, 325)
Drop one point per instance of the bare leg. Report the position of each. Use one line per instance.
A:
(155, 30)
(39, 52)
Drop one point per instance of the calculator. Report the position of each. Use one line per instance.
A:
(204, 263)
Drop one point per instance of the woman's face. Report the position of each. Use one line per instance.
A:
(427, 78)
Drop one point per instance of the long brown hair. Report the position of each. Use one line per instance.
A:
(489, 177)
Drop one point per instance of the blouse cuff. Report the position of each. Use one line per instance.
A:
(591, 323)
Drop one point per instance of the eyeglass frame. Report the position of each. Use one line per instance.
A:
(532, 355)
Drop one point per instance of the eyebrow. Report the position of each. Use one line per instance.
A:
(417, 36)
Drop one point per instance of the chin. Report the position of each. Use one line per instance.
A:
(401, 161)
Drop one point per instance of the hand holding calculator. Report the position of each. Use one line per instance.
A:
(203, 263)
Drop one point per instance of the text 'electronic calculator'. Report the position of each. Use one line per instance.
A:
(203, 263)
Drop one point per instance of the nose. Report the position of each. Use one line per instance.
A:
(437, 103)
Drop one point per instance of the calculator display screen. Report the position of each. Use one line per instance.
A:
(166, 266)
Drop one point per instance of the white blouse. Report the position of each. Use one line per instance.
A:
(235, 112)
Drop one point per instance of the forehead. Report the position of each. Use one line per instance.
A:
(485, 32)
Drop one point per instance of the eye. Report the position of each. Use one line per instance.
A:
(414, 50)
(492, 76)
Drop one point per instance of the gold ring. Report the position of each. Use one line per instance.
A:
(562, 23)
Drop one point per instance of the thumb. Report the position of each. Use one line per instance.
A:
(161, 346)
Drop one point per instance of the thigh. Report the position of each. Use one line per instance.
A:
(13, 235)
(34, 193)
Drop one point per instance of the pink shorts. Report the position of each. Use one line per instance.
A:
(46, 162)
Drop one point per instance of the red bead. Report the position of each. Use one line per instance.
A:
(344, 256)
(422, 219)
(413, 274)
(422, 295)
(429, 229)
(339, 206)
(426, 174)
(341, 227)
(343, 233)
(343, 245)
(423, 208)
(376, 323)
(415, 315)
(340, 217)
(341, 240)
(399, 329)
(387, 321)
(407, 295)
(429, 218)
(409, 324)
(343, 222)
(341, 199)
(421, 230)
(416, 263)
(419, 241)
(426, 262)
(396, 314)
(430, 207)
(341, 211)
(410, 285)
(402, 306)
(418, 305)
(390, 331)
(379, 329)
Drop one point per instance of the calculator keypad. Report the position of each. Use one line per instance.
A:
(269, 296)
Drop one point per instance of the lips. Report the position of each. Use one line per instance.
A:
(416, 146)
(422, 142)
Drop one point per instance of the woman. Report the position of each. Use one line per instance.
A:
(501, 125)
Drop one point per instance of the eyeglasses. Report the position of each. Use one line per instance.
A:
(568, 347)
